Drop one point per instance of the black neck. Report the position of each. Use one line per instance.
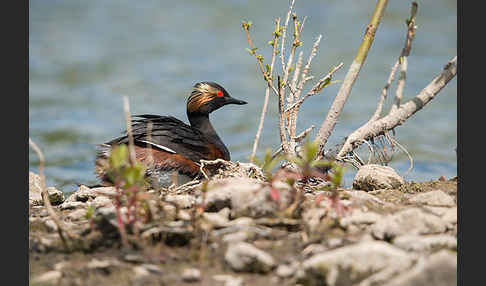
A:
(201, 122)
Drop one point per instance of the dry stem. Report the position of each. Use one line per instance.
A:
(46, 200)
(343, 93)
(131, 148)
(267, 90)
(376, 127)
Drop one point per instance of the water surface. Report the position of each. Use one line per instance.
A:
(85, 55)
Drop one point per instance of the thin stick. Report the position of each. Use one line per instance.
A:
(267, 94)
(284, 33)
(258, 57)
(131, 144)
(412, 28)
(281, 121)
(379, 108)
(45, 197)
(405, 111)
(315, 89)
(338, 103)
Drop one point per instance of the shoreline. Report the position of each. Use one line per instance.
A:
(402, 236)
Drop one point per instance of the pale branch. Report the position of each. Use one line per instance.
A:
(284, 33)
(45, 197)
(281, 122)
(303, 134)
(293, 84)
(379, 108)
(267, 92)
(400, 115)
(304, 79)
(131, 144)
(412, 28)
(297, 139)
(343, 93)
(315, 89)
(259, 58)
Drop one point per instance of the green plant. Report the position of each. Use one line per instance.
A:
(128, 178)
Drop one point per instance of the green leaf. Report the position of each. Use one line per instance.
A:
(118, 157)
(267, 67)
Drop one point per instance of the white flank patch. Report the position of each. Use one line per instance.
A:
(159, 146)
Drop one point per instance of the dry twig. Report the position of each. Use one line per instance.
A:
(45, 197)
(343, 93)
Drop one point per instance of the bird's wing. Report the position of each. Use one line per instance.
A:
(168, 134)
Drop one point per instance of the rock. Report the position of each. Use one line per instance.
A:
(77, 214)
(35, 192)
(245, 197)
(365, 263)
(101, 201)
(313, 249)
(229, 280)
(420, 243)
(51, 277)
(438, 211)
(439, 269)
(72, 205)
(153, 268)
(244, 257)
(50, 225)
(182, 201)
(242, 221)
(450, 216)
(191, 275)
(359, 217)
(133, 258)
(219, 219)
(312, 218)
(408, 221)
(372, 177)
(184, 215)
(433, 198)
(85, 194)
(238, 236)
(102, 264)
(287, 270)
(140, 272)
(363, 198)
(170, 211)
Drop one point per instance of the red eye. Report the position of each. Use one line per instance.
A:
(219, 93)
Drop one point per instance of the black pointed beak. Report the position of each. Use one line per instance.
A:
(235, 101)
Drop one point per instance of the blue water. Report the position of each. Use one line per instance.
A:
(85, 55)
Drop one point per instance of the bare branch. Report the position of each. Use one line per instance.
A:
(131, 148)
(283, 137)
(284, 33)
(401, 114)
(267, 92)
(383, 93)
(338, 103)
(412, 28)
(259, 58)
(45, 197)
(315, 89)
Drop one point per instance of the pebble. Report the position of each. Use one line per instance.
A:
(191, 275)
(245, 257)
(48, 277)
(408, 221)
(433, 198)
(229, 280)
(373, 177)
